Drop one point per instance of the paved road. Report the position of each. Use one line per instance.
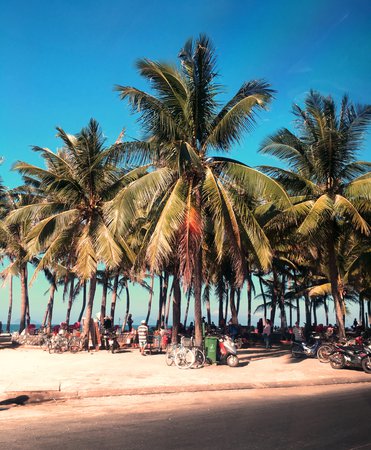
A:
(297, 418)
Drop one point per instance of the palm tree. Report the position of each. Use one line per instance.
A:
(77, 180)
(13, 246)
(333, 189)
(195, 194)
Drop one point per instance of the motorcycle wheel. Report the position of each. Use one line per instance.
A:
(337, 360)
(296, 351)
(366, 364)
(233, 361)
(323, 353)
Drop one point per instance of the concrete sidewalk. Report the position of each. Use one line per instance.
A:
(41, 376)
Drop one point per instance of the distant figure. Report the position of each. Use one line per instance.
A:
(190, 329)
(267, 333)
(1, 326)
(142, 336)
(130, 322)
(355, 324)
(260, 326)
(232, 330)
(297, 333)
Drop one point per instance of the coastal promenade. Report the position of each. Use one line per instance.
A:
(34, 375)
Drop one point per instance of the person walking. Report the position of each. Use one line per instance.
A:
(267, 333)
(142, 336)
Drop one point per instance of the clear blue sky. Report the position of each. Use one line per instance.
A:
(61, 59)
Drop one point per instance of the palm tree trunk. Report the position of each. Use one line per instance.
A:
(325, 305)
(233, 306)
(114, 297)
(282, 301)
(207, 305)
(126, 284)
(314, 312)
(103, 305)
(50, 307)
(168, 304)
(274, 297)
(89, 307)
(83, 300)
(238, 301)
(368, 323)
(297, 298)
(226, 304)
(150, 299)
(187, 307)
(335, 288)
(160, 301)
(361, 308)
(197, 294)
(221, 296)
(45, 318)
(264, 299)
(164, 297)
(24, 296)
(70, 299)
(249, 298)
(10, 308)
(176, 310)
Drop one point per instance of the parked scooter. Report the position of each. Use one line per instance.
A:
(351, 356)
(227, 351)
(304, 349)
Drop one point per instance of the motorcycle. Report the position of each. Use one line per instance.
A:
(227, 351)
(109, 341)
(351, 356)
(309, 350)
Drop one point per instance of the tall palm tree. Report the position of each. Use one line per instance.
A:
(333, 189)
(77, 179)
(13, 245)
(196, 194)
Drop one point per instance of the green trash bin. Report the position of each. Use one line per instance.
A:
(211, 346)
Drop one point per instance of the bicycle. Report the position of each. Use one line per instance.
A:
(183, 357)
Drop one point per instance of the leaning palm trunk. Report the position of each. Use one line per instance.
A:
(150, 299)
(10, 308)
(335, 289)
(83, 301)
(70, 300)
(24, 297)
(50, 307)
(264, 299)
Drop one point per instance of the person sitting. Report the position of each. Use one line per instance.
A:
(297, 333)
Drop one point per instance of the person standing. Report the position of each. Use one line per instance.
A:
(142, 336)
(267, 333)
(130, 322)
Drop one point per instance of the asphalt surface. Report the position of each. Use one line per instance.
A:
(32, 375)
(310, 418)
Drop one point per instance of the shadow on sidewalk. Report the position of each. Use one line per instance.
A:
(19, 400)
